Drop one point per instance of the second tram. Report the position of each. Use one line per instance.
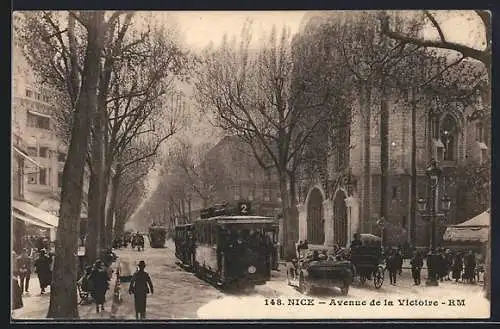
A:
(157, 235)
(228, 245)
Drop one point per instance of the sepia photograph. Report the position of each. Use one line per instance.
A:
(250, 165)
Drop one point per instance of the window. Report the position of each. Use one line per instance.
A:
(480, 132)
(394, 192)
(435, 128)
(236, 192)
(251, 194)
(43, 176)
(59, 179)
(44, 152)
(32, 151)
(61, 157)
(403, 222)
(484, 155)
(46, 98)
(38, 96)
(267, 194)
(440, 153)
(449, 137)
(29, 93)
(32, 178)
(38, 121)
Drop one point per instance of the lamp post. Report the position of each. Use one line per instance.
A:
(381, 225)
(429, 209)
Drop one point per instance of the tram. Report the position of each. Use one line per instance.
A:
(157, 235)
(228, 245)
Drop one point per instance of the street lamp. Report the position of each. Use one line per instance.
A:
(381, 225)
(429, 209)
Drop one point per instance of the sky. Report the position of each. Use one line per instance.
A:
(199, 28)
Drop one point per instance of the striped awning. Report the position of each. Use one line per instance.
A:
(27, 157)
(29, 211)
(31, 221)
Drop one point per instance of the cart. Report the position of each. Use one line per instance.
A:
(368, 261)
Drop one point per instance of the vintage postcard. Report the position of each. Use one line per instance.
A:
(259, 165)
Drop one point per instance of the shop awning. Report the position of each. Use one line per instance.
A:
(32, 211)
(31, 220)
(474, 230)
(24, 155)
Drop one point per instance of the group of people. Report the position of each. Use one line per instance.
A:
(135, 240)
(23, 266)
(35, 242)
(41, 263)
(96, 282)
(461, 265)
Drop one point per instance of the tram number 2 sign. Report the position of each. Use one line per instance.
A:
(244, 208)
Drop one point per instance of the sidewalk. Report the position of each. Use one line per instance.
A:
(36, 306)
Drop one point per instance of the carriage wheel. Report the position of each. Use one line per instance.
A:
(378, 277)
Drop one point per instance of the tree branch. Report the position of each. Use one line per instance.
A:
(482, 56)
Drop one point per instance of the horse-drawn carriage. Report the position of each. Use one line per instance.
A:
(313, 270)
(368, 261)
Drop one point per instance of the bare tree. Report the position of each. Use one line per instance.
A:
(139, 105)
(206, 174)
(484, 55)
(60, 65)
(249, 93)
(129, 194)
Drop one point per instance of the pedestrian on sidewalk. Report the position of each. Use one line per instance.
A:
(140, 285)
(457, 267)
(99, 278)
(24, 266)
(17, 295)
(393, 265)
(42, 268)
(417, 262)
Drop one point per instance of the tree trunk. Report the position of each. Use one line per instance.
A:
(384, 154)
(413, 191)
(63, 296)
(93, 225)
(365, 108)
(103, 241)
(290, 221)
(115, 184)
(97, 186)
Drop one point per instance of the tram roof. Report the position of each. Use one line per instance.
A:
(239, 220)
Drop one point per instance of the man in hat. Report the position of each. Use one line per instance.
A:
(24, 266)
(99, 278)
(140, 286)
(42, 267)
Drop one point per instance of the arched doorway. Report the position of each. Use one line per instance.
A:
(340, 232)
(315, 222)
